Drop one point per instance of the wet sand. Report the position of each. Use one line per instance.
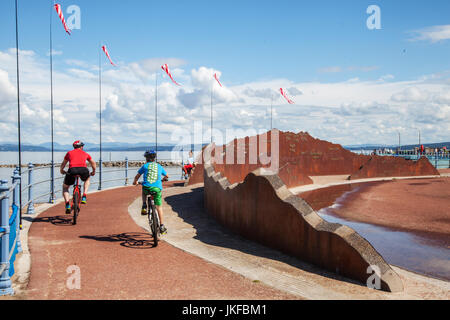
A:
(407, 221)
(421, 205)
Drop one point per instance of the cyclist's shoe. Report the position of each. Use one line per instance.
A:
(84, 199)
(144, 211)
(68, 208)
(163, 229)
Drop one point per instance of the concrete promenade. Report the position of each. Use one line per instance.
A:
(198, 259)
(116, 259)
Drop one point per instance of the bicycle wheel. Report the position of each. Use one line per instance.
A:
(155, 225)
(76, 206)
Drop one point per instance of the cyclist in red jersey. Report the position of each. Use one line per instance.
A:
(77, 167)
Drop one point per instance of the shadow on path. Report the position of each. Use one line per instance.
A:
(189, 207)
(63, 221)
(134, 240)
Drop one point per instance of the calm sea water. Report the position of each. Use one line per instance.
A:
(46, 157)
(116, 174)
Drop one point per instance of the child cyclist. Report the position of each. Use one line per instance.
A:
(152, 172)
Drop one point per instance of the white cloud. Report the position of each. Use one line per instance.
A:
(146, 68)
(372, 111)
(411, 94)
(7, 90)
(386, 77)
(432, 34)
(294, 91)
(55, 53)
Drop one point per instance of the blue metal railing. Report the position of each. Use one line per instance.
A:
(10, 222)
(9, 231)
(10, 215)
(438, 160)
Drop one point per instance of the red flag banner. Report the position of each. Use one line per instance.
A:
(215, 77)
(61, 16)
(107, 54)
(285, 96)
(166, 69)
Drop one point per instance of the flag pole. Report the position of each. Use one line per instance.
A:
(271, 111)
(156, 114)
(18, 114)
(100, 112)
(212, 88)
(52, 169)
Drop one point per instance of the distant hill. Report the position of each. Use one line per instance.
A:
(26, 148)
(92, 147)
(403, 147)
(120, 146)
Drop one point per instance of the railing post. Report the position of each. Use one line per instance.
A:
(5, 280)
(100, 175)
(126, 171)
(52, 183)
(16, 200)
(30, 209)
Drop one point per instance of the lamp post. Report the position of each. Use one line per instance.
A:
(18, 111)
(52, 169)
(156, 114)
(271, 111)
(212, 92)
(100, 113)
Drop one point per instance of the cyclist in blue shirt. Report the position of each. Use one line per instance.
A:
(152, 172)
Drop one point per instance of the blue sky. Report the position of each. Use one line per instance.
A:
(249, 42)
(249, 39)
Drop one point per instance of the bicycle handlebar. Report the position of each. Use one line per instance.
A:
(163, 179)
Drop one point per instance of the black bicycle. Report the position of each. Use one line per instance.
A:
(153, 217)
(76, 200)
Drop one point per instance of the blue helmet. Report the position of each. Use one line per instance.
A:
(149, 153)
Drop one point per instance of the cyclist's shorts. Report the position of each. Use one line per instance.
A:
(157, 194)
(76, 171)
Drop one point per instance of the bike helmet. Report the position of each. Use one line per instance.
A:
(78, 144)
(149, 153)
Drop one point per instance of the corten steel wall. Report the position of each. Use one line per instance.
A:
(379, 166)
(263, 209)
(300, 156)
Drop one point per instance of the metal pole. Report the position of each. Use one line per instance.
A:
(126, 171)
(271, 112)
(18, 109)
(100, 113)
(156, 114)
(5, 280)
(212, 88)
(16, 195)
(30, 209)
(52, 169)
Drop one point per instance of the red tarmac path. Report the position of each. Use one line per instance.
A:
(117, 260)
